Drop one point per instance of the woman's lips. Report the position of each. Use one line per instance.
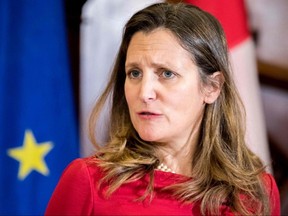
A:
(148, 115)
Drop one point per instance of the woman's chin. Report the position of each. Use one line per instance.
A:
(148, 137)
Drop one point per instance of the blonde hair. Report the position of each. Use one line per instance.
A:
(224, 169)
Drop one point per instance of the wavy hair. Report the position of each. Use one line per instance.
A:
(224, 169)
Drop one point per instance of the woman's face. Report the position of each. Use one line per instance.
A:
(162, 88)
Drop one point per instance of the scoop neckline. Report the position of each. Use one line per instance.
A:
(171, 174)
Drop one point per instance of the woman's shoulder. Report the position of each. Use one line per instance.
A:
(269, 181)
(75, 191)
(273, 192)
(88, 165)
(83, 162)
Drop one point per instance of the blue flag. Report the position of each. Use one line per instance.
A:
(38, 124)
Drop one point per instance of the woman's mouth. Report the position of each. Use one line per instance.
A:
(148, 115)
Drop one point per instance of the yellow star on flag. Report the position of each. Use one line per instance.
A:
(31, 156)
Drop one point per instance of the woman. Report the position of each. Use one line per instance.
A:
(176, 138)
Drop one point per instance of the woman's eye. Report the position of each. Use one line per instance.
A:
(134, 74)
(168, 74)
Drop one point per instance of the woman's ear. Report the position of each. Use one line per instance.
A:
(213, 88)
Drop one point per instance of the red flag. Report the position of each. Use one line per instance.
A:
(232, 16)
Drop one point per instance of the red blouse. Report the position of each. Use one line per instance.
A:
(77, 194)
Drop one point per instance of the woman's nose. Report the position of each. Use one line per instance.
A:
(147, 89)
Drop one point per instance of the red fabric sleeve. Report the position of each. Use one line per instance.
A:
(73, 194)
(273, 192)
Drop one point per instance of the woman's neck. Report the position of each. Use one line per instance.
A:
(178, 158)
(178, 155)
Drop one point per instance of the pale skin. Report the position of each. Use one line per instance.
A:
(165, 96)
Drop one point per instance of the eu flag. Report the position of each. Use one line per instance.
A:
(38, 127)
